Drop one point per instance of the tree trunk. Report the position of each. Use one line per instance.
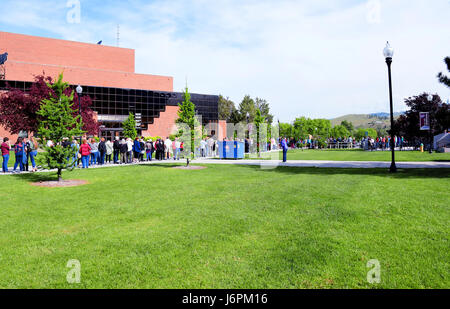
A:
(59, 175)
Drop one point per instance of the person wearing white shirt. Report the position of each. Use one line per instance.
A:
(129, 150)
(209, 149)
(109, 150)
(167, 148)
(203, 146)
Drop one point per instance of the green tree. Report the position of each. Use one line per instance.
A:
(226, 108)
(247, 106)
(263, 106)
(302, 127)
(286, 130)
(186, 115)
(129, 127)
(442, 78)
(348, 125)
(322, 127)
(361, 133)
(57, 121)
(340, 131)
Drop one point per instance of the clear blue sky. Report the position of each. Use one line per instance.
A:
(317, 58)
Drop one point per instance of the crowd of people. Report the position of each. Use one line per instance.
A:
(367, 143)
(126, 150)
(25, 152)
(383, 143)
(92, 152)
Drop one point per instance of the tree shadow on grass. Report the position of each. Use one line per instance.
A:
(164, 165)
(37, 177)
(379, 172)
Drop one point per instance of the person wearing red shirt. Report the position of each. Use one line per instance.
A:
(5, 147)
(85, 151)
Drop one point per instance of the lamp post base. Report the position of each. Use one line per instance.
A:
(393, 168)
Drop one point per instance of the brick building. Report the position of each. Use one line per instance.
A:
(107, 75)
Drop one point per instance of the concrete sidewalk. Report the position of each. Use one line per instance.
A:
(268, 164)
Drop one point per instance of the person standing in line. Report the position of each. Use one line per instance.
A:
(149, 149)
(102, 151)
(129, 150)
(85, 150)
(174, 149)
(26, 158)
(33, 146)
(182, 148)
(116, 150)
(136, 150)
(209, 150)
(285, 147)
(94, 151)
(161, 149)
(109, 151)
(156, 149)
(177, 149)
(77, 155)
(203, 146)
(19, 150)
(142, 147)
(167, 148)
(123, 151)
(5, 148)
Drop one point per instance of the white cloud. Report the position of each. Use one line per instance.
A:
(315, 58)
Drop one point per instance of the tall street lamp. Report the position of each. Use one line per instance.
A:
(79, 90)
(388, 54)
(430, 100)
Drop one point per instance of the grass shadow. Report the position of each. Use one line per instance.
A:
(37, 177)
(164, 165)
(380, 172)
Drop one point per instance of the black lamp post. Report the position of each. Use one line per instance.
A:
(388, 54)
(430, 99)
(79, 92)
(248, 121)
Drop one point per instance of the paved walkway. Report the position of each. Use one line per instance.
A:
(292, 163)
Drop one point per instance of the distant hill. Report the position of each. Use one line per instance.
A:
(366, 120)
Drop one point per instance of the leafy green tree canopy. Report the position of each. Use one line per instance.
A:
(226, 108)
(348, 125)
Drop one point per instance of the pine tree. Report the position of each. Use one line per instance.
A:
(129, 127)
(442, 78)
(58, 121)
(186, 115)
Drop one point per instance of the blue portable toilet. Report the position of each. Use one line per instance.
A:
(231, 150)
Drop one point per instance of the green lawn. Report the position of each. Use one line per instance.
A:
(360, 155)
(227, 227)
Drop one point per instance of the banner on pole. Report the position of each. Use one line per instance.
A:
(424, 121)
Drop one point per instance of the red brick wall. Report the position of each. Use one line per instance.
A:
(82, 63)
(48, 51)
(165, 124)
